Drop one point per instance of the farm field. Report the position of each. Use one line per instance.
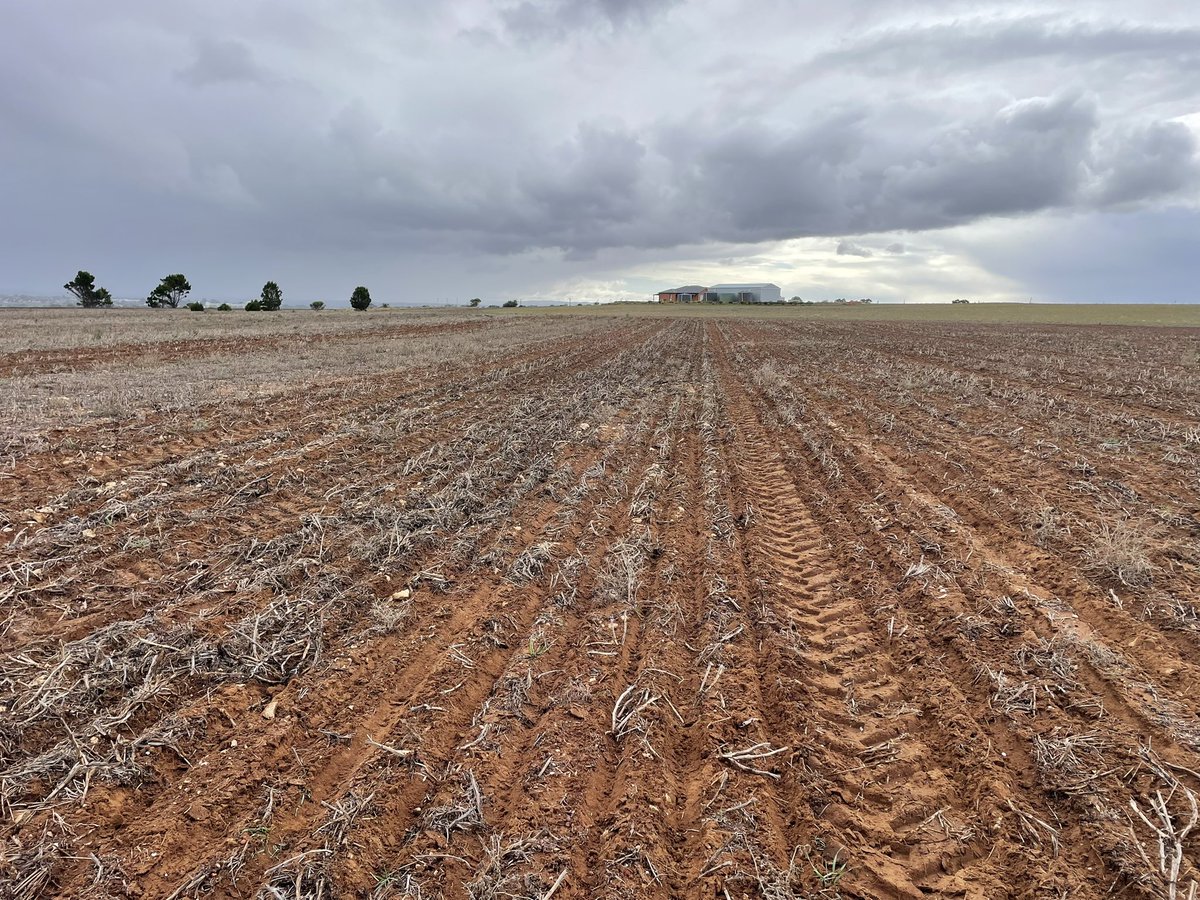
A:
(534, 605)
(1183, 315)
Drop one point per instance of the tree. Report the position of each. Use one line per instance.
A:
(272, 297)
(85, 290)
(224, 307)
(475, 301)
(510, 303)
(195, 306)
(254, 306)
(361, 298)
(317, 304)
(170, 292)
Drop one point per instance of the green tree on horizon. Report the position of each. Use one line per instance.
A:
(272, 297)
(86, 293)
(170, 292)
(361, 298)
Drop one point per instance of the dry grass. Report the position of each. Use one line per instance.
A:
(64, 328)
(1122, 550)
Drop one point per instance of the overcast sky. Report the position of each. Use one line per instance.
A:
(437, 151)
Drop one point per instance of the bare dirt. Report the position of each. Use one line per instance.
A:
(614, 607)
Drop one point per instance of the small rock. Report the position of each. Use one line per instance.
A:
(268, 712)
(402, 594)
(197, 813)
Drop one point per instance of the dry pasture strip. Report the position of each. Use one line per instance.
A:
(126, 404)
(169, 347)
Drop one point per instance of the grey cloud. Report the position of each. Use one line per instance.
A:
(582, 131)
(896, 248)
(1146, 161)
(852, 175)
(976, 42)
(591, 180)
(538, 19)
(221, 61)
(610, 185)
(850, 248)
(1030, 155)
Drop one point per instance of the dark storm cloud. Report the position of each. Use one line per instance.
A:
(1155, 160)
(263, 133)
(855, 173)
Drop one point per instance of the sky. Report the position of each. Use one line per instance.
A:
(603, 149)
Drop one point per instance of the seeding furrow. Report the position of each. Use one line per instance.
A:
(201, 517)
(337, 619)
(615, 608)
(1050, 690)
(870, 766)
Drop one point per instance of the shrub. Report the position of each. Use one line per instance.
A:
(317, 304)
(253, 306)
(196, 307)
(224, 307)
(509, 304)
(361, 298)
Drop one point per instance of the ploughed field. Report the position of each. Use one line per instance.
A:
(561, 606)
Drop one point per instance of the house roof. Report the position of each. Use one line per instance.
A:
(686, 289)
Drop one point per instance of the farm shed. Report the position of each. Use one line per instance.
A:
(762, 292)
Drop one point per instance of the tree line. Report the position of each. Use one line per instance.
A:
(172, 290)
